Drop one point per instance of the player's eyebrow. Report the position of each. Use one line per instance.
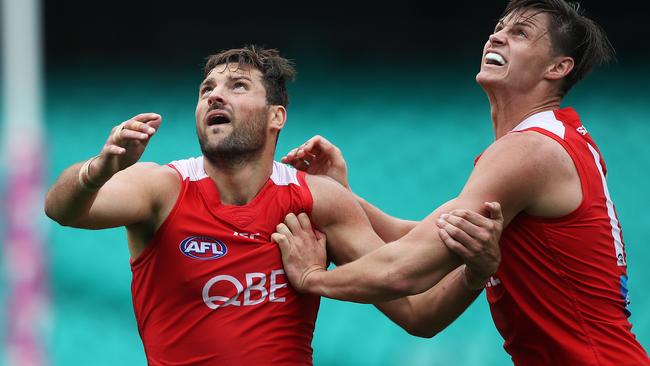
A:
(239, 77)
(525, 24)
(210, 80)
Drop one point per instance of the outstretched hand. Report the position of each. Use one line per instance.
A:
(475, 238)
(124, 145)
(303, 249)
(319, 156)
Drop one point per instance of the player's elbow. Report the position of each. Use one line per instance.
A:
(416, 323)
(422, 330)
(56, 214)
(52, 212)
(423, 326)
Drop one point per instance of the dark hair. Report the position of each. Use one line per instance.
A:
(275, 69)
(572, 34)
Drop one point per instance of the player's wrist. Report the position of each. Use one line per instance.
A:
(310, 278)
(86, 180)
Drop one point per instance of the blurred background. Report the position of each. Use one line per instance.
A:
(391, 83)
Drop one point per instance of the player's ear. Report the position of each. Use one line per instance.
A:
(560, 68)
(278, 117)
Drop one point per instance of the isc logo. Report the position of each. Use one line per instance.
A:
(203, 247)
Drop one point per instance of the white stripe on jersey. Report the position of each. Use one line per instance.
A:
(191, 168)
(283, 175)
(545, 120)
(616, 231)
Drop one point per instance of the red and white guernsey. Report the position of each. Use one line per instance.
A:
(210, 288)
(560, 294)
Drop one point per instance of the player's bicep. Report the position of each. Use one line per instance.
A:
(509, 173)
(336, 213)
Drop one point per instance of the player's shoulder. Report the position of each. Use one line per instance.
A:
(159, 180)
(526, 148)
(332, 203)
(323, 184)
(529, 140)
(149, 170)
(524, 162)
(328, 194)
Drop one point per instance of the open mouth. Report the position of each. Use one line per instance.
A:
(217, 118)
(492, 58)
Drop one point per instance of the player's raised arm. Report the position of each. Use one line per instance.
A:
(108, 190)
(319, 156)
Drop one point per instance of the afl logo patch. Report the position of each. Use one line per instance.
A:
(203, 247)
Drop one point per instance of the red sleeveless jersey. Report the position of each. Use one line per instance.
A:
(559, 296)
(210, 288)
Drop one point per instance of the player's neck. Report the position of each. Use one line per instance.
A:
(508, 109)
(239, 184)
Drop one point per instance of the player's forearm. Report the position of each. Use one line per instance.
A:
(388, 228)
(385, 274)
(361, 288)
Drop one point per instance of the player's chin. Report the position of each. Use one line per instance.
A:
(488, 79)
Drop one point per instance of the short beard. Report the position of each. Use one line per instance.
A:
(244, 144)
